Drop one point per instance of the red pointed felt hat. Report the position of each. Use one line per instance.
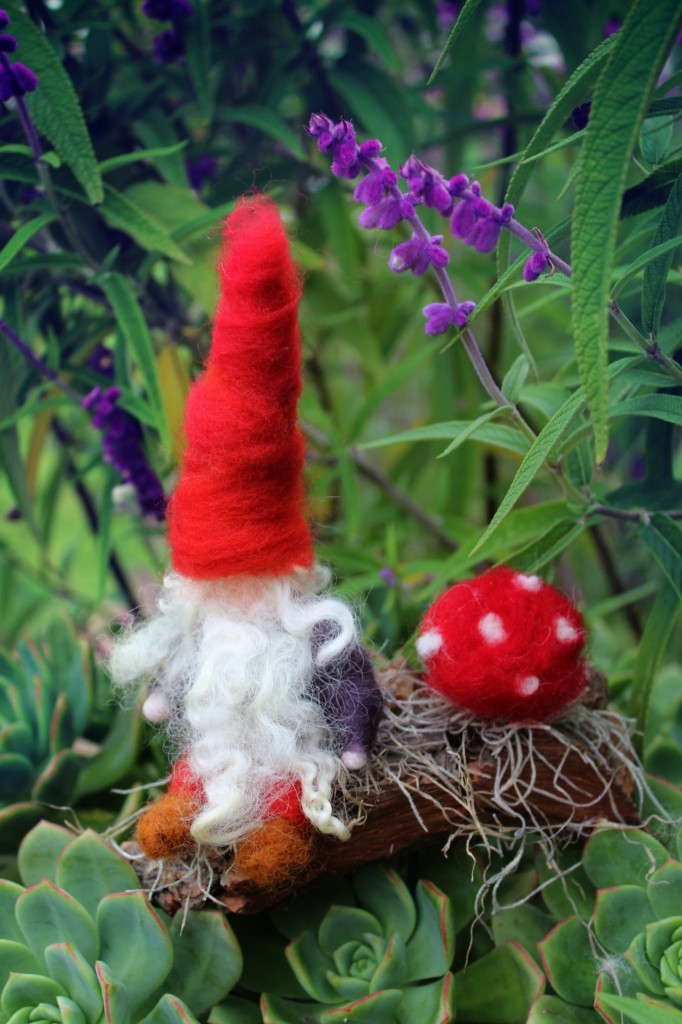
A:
(239, 506)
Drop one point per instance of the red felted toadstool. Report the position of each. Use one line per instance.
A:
(504, 645)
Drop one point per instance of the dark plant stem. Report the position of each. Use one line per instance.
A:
(90, 510)
(369, 470)
(36, 362)
(612, 575)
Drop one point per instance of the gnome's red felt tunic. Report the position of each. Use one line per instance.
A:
(504, 645)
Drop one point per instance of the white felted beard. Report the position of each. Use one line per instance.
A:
(234, 660)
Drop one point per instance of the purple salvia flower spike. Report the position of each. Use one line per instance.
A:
(8, 44)
(535, 265)
(486, 234)
(463, 220)
(4, 20)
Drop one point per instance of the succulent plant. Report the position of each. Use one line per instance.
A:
(620, 952)
(82, 945)
(46, 702)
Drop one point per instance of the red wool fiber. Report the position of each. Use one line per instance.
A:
(239, 504)
(504, 645)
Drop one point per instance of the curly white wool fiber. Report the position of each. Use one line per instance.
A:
(234, 659)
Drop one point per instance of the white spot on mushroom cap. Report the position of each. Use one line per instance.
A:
(491, 628)
(532, 583)
(429, 643)
(527, 686)
(564, 630)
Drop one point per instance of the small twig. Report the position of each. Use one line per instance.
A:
(650, 347)
(35, 361)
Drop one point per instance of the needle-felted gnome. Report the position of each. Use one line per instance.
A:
(505, 645)
(256, 671)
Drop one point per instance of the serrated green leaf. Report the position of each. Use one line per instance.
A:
(544, 445)
(506, 438)
(269, 122)
(23, 235)
(663, 537)
(54, 105)
(620, 100)
(655, 276)
(515, 378)
(121, 212)
(659, 406)
(131, 321)
(471, 429)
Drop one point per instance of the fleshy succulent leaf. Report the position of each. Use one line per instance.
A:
(392, 970)
(115, 998)
(46, 914)
(433, 1003)
(659, 935)
(620, 913)
(127, 925)
(28, 989)
(170, 1010)
(377, 1008)
(16, 775)
(16, 739)
(432, 945)
(664, 889)
(15, 822)
(234, 1010)
(89, 869)
(343, 924)
(57, 782)
(348, 987)
(383, 893)
(9, 894)
(310, 966)
(39, 852)
(526, 925)
(638, 1011)
(549, 1008)
(278, 1010)
(70, 1012)
(61, 725)
(16, 957)
(567, 956)
(78, 979)
(637, 957)
(614, 857)
(207, 961)
(507, 969)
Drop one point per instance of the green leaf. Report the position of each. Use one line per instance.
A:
(171, 1010)
(620, 100)
(117, 754)
(121, 212)
(269, 122)
(57, 782)
(16, 776)
(76, 977)
(378, 103)
(234, 1010)
(654, 138)
(383, 893)
(652, 191)
(207, 961)
(507, 969)
(433, 1003)
(496, 435)
(54, 105)
(377, 1008)
(29, 990)
(621, 856)
(15, 956)
(515, 378)
(15, 822)
(639, 1011)
(127, 924)
(620, 913)
(526, 925)
(654, 254)
(310, 964)
(371, 31)
(131, 321)
(10, 454)
(432, 946)
(40, 851)
(90, 870)
(463, 18)
(123, 159)
(471, 429)
(550, 1010)
(47, 915)
(663, 537)
(9, 894)
(664, 889)
(117, 1008)
(657, 631)
(569, 963)
(23, 235)
(660, 406)
(547, 547)
(543, 447)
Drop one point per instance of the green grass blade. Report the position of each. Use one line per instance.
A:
(619, 105)
(23, 235)
(126, 308)
(123, 159)
(122, 212)
(653, 285)
(657, 631)
(662, 254)
(663, 537)
(54, 106)
(463, 18)
(270, 123)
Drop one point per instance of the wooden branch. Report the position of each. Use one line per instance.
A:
(567, 790)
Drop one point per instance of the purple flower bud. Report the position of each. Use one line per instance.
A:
(438, 256)
(4, 19)
(406, 255)
(345, 163)
(388, 576)
(319, 124)
(463, 219)
(200, 171)
(439, 198)
(8, 44)
(24, 79)
(385, 215)
(370, 148)
(464, 311)
(483, 208)
(370, 190)
(167, 10)
(486, 234)
(506, 213)
(6, 85)
(458, 184)
(407, 205)
(535, 265)
(168, 47)
(581, 115)
(440, 317)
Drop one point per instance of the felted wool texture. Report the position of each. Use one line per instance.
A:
(236, 661)
(239, 506)
(276, 852)
(504, 645)
(164, 830)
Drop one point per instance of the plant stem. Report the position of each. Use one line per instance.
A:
(36, 362)
(651, 348)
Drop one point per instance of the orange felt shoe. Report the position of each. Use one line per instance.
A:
(164, 830)
(274, 853)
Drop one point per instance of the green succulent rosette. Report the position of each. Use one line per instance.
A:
(81, 944)
(47, 723)
(630, 967)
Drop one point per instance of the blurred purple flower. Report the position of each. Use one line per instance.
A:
(581, 115)
(536, 264)
(8, 44)
(4, 20)
(122, 448)
(167, 10)
(418, 255)
(201, 170)
(388, 576)
(15, 78)
(441, 316)
(168, 47)
(339, 140)
(612, 26)
(428, 185)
